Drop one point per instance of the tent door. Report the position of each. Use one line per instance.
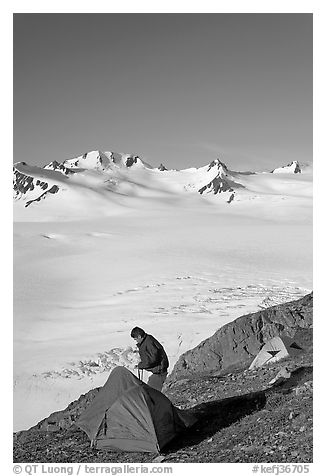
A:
(105, 424)
(102, 429)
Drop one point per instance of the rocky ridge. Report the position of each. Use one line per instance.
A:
(36, 189)
(239, 341)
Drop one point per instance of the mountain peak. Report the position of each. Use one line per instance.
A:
(220, 166)
(94, 159)
(292, 168)
(102, 161)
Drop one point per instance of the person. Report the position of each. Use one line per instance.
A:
(153, 357)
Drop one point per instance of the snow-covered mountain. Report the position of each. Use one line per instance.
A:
(112, 176)
(119, 173)
(292, 168)
(105, 161)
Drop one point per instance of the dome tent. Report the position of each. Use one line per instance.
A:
(275, 349)
(129, 415)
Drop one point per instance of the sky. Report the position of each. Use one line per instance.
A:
(178, 89)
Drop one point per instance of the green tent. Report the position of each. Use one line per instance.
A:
(129, 415)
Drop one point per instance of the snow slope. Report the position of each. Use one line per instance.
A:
(121, 243)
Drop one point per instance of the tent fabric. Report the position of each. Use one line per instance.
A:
(134, 445)
(128, 420)
(117, 384)
(275, 349)
(167, 419)
(129, 415)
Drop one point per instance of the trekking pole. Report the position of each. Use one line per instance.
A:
(140, 374)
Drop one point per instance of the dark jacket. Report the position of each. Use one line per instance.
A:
(152, 355)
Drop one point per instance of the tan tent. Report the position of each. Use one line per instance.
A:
(275, 349)
(129, 415)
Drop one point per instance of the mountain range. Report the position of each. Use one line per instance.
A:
(112, 175)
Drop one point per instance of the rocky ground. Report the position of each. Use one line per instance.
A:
(240, 418)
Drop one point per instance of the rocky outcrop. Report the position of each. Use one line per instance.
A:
(239, 341)
(131, 160)
(220, 185)
(23, 184)
(59, 168)
(54, 189)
